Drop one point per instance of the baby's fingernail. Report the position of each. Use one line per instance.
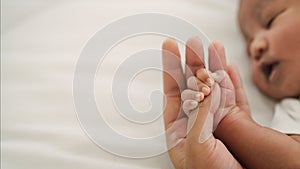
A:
(214, 75)
(199, 96)
(194, 104)
(205, 90)
(210, 81)
(218, 76)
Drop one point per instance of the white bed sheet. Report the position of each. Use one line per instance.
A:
(41, 41)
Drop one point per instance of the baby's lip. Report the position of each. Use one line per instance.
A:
(268, 68)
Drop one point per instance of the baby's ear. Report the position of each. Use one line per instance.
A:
(240, 95)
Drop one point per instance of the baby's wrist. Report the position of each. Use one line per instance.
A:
(233, 120)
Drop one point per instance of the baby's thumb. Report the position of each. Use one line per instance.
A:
(241, 98)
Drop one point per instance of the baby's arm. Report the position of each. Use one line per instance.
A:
(295, 137)
(253, 145)
(256, 146)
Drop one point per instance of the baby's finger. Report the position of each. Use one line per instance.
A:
(218, 75)
(204, 77)
(188, 106)
(189, 94)
(241, 98)
(195, 84)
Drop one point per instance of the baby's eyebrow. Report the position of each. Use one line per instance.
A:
(261, 5)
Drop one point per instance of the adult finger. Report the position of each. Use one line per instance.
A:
(200, 122)
(194, 54)
(174, 118)
(173, 80)
(217, 57)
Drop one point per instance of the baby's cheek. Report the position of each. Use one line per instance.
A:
(290, 85)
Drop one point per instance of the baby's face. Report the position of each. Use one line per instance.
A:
(272, 32)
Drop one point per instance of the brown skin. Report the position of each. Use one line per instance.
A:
(272, 32)
(255, 146)
(271, 29)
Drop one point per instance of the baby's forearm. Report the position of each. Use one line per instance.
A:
(256, 146)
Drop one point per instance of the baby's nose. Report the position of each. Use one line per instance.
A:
(258, 47)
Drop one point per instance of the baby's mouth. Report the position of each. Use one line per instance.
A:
(268, 68)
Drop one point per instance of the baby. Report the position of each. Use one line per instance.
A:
(271, 30)
(272, 34)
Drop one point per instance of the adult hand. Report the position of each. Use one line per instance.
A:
(191, 143)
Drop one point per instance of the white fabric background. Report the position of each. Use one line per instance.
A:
(40, 43)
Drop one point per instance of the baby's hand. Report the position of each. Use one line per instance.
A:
(203, 84)
(198, 88)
